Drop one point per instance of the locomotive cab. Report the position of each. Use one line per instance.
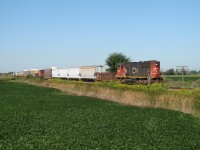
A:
(155, 71)
(121, 71)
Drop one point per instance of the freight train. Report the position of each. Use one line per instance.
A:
(133, 72)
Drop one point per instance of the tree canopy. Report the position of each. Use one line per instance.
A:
(170, 72)
(114, 59)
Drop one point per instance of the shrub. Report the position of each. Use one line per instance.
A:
(29, 76)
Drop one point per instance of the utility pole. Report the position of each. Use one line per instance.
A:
(182, 69)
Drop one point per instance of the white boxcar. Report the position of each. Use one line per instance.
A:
(74, 73)
(55, 73)
(89, 72)
(25, 73)
(34, 72)
(63, 73)
(60, 73)
(19, 74)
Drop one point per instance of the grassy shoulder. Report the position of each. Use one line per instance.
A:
(43, 118)
(6, 77)
(188, 81)
(155, 95)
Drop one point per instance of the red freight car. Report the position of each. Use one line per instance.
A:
(41, 73)
(105, 76)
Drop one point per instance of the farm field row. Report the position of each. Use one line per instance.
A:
(179, 77)
(43, 118)
(176, 81)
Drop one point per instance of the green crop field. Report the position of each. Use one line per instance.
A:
(190, 81)
(42, 118)
(189, 78)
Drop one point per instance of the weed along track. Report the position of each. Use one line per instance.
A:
(154, 96)
(35, 117)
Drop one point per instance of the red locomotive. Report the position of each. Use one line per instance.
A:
(139, 72)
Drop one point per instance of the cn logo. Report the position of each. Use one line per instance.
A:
(134, 70)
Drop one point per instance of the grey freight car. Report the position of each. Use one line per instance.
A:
(89, 72)
(48, 72)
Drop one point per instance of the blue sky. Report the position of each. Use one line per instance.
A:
(72, 33)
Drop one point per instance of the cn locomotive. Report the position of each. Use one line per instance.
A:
(139, 72)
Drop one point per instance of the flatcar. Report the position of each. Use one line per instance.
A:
(139, 72)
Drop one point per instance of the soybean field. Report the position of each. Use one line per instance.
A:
(43, 118)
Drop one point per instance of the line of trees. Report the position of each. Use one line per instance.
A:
(9, 73)
(178, 72)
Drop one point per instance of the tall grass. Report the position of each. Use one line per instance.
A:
(155, 95)
(190, 81)
(6, 77)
